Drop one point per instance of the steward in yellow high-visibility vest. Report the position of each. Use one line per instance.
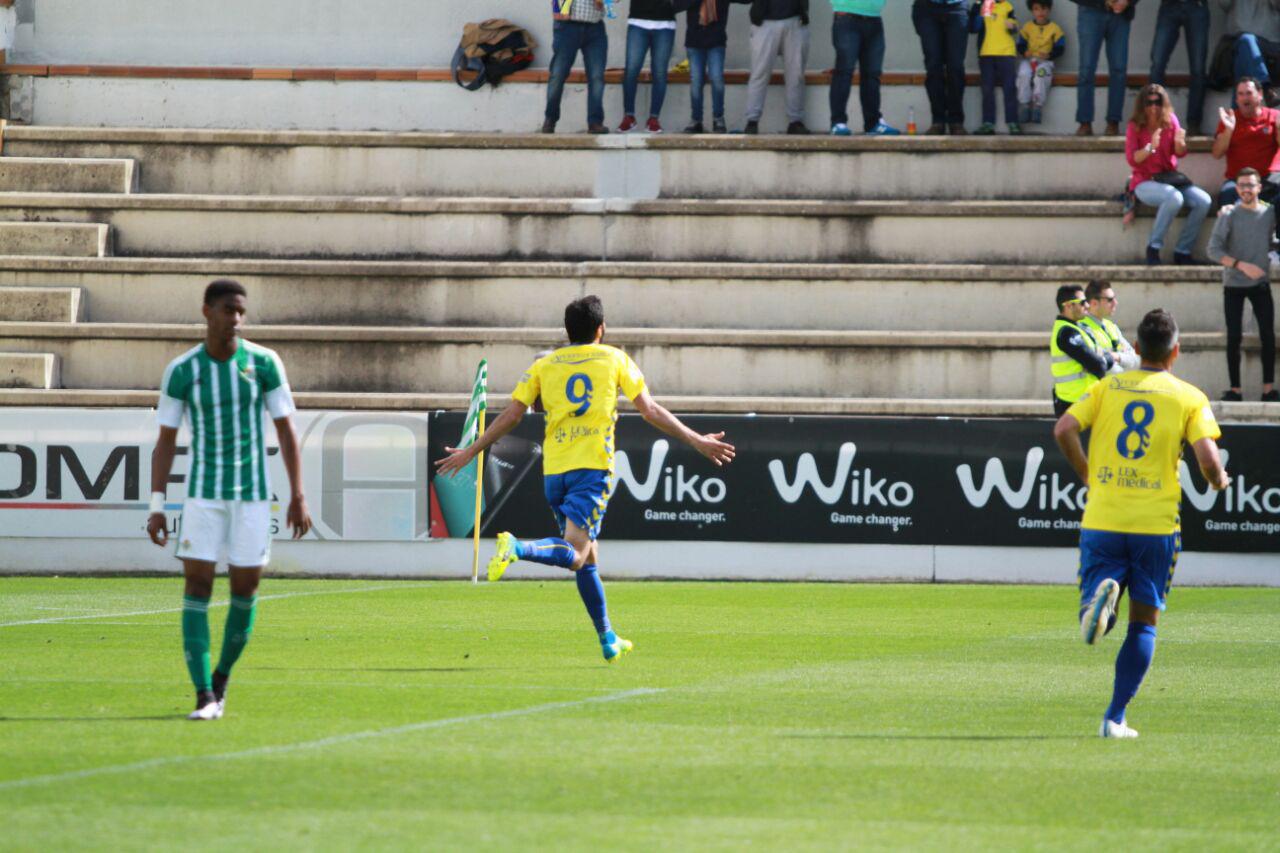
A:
(1075, 359)
(1101, 302)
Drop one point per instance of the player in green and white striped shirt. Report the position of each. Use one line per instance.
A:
(223, 385)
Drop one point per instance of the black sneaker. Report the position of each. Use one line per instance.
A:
(1272, 396)
(696, 127)
(548, 126)
(752, 128)
(1183, 259)
(718, 126)
(797, 128)
(1229, 396)
(1153, 256)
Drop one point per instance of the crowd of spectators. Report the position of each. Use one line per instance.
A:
(1015, 59)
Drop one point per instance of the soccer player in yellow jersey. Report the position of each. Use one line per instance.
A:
(1130, 536)
(579, 386)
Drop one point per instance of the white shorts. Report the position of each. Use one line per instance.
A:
(242, 528)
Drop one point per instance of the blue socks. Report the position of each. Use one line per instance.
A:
(1131, 666)
(591, 590)
(552, 551)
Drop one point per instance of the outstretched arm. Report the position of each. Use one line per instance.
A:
(459, 458)
(710, 445)
(1067, 433)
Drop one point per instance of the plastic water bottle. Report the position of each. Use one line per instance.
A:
(608, 9)
(911, 121)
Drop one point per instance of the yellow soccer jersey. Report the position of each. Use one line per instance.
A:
(996, 39)
(1140, 420)
(579, 387)
(1040, 40)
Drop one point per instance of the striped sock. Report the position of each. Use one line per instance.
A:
(240, 619)
(195, 641)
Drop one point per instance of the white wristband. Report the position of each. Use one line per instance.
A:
(157, 502)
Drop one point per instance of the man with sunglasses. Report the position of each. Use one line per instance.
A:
(1076, 360)
(1100, 300)
(1240, 242)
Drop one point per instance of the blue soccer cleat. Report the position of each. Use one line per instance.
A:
(1098, 613)
(613, 646)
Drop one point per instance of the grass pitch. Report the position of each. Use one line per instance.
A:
(441, 715)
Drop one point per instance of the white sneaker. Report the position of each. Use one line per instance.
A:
(1093, 624)
(1110, 729)
(207, 711)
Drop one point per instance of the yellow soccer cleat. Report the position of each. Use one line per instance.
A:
(504, 556)
(615, 650)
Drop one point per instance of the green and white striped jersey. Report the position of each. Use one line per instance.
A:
(225, 400)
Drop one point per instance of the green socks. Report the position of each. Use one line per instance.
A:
(239, 627)
(195, 641)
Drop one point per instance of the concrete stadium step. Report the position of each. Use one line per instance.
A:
(938, 297)
(29, 370)
(41, 304)
(64, 239)
(67, 175)
(1062, 232)
(674, 166)
(1249, 412)
(683, 362)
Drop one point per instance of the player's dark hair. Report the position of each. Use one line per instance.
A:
(1066, 293)
(1252, 81)
(582, 317)
(1249, 172)
(223, 287)
(1093, 290)
(1157, 335)
(1031, 4)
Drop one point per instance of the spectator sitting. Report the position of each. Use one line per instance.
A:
(1249, 137)
(1041, 42)
(1099, 21)
(579, 26)
(1191, 16)
(1153, 143)
(1100, 301)
(943, 27)
(651, 28)
(858, 36)
(995, 23)
(778, 27)
(705, 40)
(1240, 242)
(1255, 25)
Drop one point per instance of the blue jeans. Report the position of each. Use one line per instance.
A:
(999, 71)
(658, 44)
(859, 43)
(1193, 19)
(1094, 27)
(568, 38)
(1167, 201)
(1251, 58)
(944, 38)
(706, 63)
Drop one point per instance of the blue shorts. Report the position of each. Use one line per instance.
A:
(579, 496)
(1143, 563)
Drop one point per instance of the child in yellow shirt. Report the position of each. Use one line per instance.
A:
(996, 26)
(1040, 42)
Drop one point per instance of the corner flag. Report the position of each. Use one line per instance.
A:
(472, 427)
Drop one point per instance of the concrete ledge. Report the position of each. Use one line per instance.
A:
(28, 370)
(67, 175)
(41, 304)
(55, 238)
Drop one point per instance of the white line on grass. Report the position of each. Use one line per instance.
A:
(52, 619)
(321, 743)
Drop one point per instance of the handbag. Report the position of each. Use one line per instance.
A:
(1173, 178)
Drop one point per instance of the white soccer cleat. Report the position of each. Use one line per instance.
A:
(211, 710)
(1111, 729)
(1093, 624)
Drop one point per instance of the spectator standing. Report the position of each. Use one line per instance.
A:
(651, 29)
(1099, 22)
(578, 27)
(1255, 25)
(778, 26)
(1075, 359)
(705, 40)
(943, 27)
(1240, 242)
(1101, 303)
(1192, 18)
(1249, 138)
(857, 32)
(1153, 143)
(996, 25)
(1041, 42)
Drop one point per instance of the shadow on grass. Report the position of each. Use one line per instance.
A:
(839, 736)
(102, 719)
